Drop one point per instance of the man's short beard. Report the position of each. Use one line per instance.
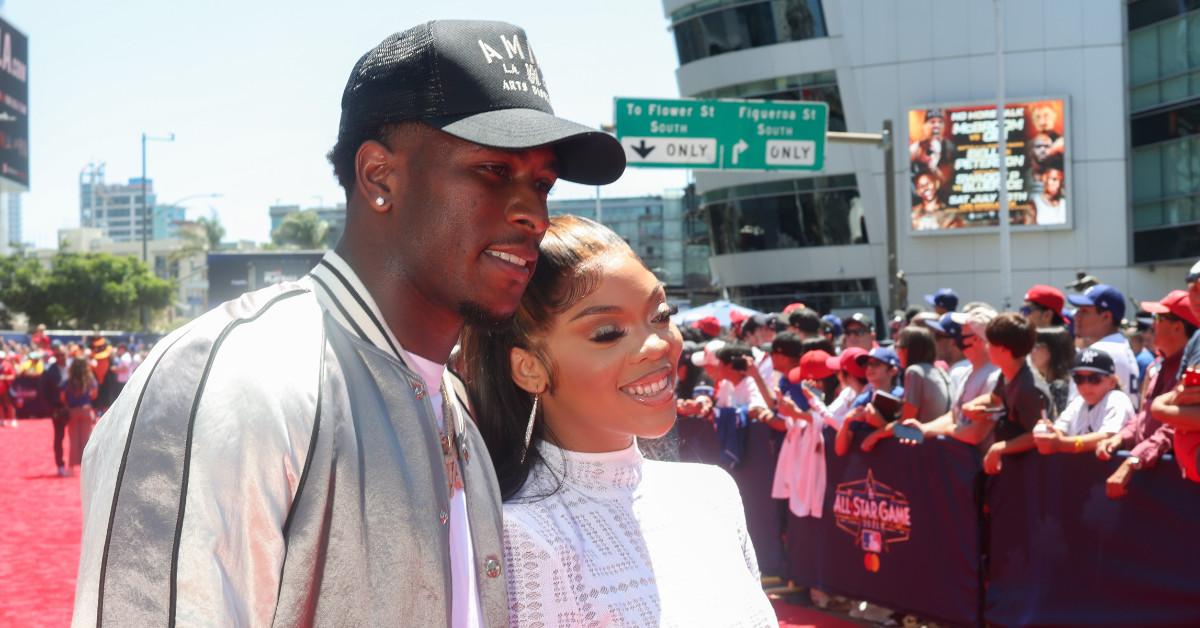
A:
(476, 315)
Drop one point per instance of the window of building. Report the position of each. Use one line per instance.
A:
(823, 296)
(817, 211)
(714, 27)
(1164, 61)
(812, 87)
(1146, 12)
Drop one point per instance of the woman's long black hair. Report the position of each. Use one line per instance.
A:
(565, 273)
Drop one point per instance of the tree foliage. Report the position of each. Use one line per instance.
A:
(214, 231)
(83, 290)
(303, 230)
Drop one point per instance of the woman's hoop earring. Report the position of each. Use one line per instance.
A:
(529, 428)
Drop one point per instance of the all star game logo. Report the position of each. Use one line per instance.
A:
(875, 514)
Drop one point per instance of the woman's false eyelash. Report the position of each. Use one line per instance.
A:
(608, 334)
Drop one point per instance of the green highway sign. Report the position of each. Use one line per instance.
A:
(722, 134)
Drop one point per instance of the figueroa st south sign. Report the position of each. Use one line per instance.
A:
(722, 134)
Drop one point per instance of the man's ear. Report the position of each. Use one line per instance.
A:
(527, 371)
(379, 174)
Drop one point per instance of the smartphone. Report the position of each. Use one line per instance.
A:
(1191, 377)
(908, 432)
(887, 405)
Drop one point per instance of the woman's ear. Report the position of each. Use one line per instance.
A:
(527, 371)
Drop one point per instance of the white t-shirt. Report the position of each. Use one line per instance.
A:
(1050, 213)
(465, 610)
(968, 383)
(1125, 362)
(765, 367)
(745, 393)
(1108, 416)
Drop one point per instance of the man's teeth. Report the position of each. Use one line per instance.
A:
(652, 388)
(508, 257)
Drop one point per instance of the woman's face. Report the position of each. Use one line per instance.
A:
(614, 355)
(1040, 357)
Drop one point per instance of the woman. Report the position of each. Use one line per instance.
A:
(926, 393)
(595, 533)
(78, 395)
(1052, 358)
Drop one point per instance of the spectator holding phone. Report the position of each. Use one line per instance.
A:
(1020, 393)
(1181, 407)
(1100, 410)
(881, 366)
(1148, 438)
(739, 400)
(852, 380)
(926, 387)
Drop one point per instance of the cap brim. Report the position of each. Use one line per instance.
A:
(929, 299)
(585, 155)
(1090, 369)
(1154, 307)
(1080, 300)
(935, 326)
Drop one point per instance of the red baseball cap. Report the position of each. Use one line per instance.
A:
(813, 365)
(848, 361)
(1176, 303)
(709, 325)
(1048, 297)
(792, 307)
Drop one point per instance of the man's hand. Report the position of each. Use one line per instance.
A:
(992, 459)
(1046, 441)
(1106, 447)
(1117, 485)
(1187, 395)
(914, 424)
(975, 411)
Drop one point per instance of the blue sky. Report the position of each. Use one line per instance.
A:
(251, 90)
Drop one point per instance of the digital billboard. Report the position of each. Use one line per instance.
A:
(954, 171)
(14, 106)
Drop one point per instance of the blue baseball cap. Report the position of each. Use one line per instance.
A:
(883, 354)
(950, 324)
(943, 298)
(1104, 298)
(833, 324)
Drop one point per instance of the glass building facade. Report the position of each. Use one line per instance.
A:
(1164, 128)
(714, 27)
(814, 211)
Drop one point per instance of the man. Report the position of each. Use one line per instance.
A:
(1020, 398)
(805, 323)
(1180, 408)
(831, 329)
(978, 378)
(345, 484)
(51, 384)
(860, 332)
(1149, 438)
(122, 368)
(932, 152)
(709, 327)
(943, 301)
(1043, 306)
(8, 374)
(1098, 320)
(39, 339)
(948, 333)
(758, 331)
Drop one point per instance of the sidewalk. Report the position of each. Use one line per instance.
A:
(39, 529)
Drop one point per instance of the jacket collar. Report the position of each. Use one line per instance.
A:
(343, 295)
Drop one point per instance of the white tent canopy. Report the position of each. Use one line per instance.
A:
(720, 309)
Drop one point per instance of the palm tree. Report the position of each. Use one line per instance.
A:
(303, 230)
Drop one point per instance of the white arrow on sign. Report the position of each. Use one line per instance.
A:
(670, 150)
(738, 149)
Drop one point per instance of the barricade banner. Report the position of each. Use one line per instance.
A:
(1063, 553)
(900, 528)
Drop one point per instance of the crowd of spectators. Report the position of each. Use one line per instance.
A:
(73, 382)
(1076, 373)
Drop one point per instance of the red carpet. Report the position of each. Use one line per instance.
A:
(39, 529)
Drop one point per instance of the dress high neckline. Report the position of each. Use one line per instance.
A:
(621, 469)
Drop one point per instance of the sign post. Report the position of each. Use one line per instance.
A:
(722, 134)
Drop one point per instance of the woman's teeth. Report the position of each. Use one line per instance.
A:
(647, 390)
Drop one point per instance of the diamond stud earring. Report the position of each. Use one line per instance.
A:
(379, 201)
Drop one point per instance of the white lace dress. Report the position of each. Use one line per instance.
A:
(626, 541)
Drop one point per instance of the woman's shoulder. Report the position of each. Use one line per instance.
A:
(692, 478)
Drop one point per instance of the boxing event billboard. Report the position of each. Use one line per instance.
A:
(14, 108)
(954, 172)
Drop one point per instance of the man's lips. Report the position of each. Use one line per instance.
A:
(518, 262)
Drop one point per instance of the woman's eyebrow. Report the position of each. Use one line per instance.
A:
(596, 309)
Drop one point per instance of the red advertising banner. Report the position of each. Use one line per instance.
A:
(955, 170)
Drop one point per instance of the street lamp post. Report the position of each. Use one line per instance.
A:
(145, 202)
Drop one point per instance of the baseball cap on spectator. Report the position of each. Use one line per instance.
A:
(1176, 304)
(950, 324)
(708, 357)
(1104, 298)
(756, 322)
(943, 298)
(831, 324)
(792, 307)
(858, 318)
(709, 326)
(883, 354)
(813, 365)
(1048, 297)
(1094, 361)
(848, 361)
